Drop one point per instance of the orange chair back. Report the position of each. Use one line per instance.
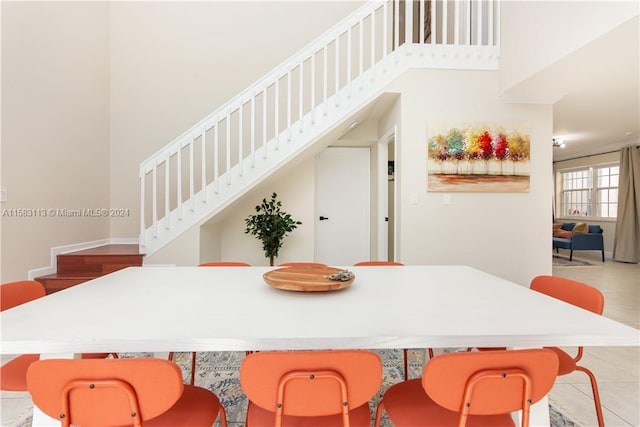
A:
(225, 264)
(15, 293)
(570, 291)
(373, 263)
(310, 381)
(62, 389)
(303, 264)
(490, 382)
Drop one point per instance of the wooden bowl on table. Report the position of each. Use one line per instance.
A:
(306, 279)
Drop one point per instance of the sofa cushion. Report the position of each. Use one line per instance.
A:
(595, 229)
(563, 234)
(568, 226)
(556, 226)
(580, 227)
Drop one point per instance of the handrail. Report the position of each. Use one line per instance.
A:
(294, 95)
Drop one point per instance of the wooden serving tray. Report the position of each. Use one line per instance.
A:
(305, 279)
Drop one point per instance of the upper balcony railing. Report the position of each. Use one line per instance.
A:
(193, 169)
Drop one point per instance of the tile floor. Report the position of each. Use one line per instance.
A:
(617, 369)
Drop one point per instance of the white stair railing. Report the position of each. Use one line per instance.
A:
(224, 154)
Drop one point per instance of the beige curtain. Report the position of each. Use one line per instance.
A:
(626, 246)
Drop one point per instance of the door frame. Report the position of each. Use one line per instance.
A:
(383, 196)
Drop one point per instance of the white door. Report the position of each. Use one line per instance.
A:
(342, 206)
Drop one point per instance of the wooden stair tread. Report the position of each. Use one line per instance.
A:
(107, 250)
(68, 276)
(78, 267)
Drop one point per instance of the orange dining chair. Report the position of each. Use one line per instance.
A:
(310, 388)
(13, 374)
(123, 392)
(583, 296)
(303, 264)
(377, 263)
(225, 264)
(405, 355)
(480, 389)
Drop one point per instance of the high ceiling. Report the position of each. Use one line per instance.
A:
(596, 94)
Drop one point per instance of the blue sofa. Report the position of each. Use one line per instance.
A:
(590, 241)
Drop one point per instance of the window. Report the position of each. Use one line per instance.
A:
(589, 192)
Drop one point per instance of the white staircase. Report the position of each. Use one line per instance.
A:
(224, 155)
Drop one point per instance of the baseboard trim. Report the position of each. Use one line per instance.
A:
(55, 251)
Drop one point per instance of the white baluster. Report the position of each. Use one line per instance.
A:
(289, 106)
(179, 180)
(143, 226)
(228, 148)
(191, 174)
(349, 53)
(373, 43)
(203, 141)
(276, 112)
(154, 201)
(497, 25)
(337, 71)
(167, 183)
(361, 51)
(325, 80)
(313, 89)
(216, 156)
(253, 131)
(301, 103)
(241, 140)
(264, 123)
(385, 28)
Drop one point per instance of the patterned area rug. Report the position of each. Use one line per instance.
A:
(219, 372)
(560, 261)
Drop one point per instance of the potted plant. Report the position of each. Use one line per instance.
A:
(270, 224)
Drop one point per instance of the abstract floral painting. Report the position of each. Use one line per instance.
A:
(477, 158)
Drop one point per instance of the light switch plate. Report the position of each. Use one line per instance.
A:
(414, 199)
(3, 195)
(446, 199)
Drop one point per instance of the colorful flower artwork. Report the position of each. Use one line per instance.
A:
(478, 158)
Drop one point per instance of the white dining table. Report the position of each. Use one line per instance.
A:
(162, 309)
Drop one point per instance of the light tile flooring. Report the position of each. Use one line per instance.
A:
(617, 369)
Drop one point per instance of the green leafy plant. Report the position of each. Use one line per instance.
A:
(270, 225)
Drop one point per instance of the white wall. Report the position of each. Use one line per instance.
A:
(609, 225)
(55, 127)
(506, 234)
(296, 190)
(535, 34)
(172, 63)
(502, 233)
